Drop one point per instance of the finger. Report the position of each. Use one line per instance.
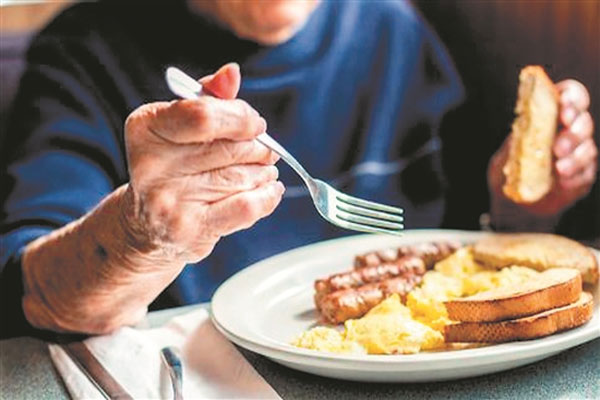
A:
(571, 137)
(581, 181)
(206, 119)
(220, 183)
(573, 93)
(242, 210)
(195, 159)
(225, 83)
(568, 113)
(578, 160)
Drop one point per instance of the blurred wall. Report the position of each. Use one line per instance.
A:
(18, 22)
(26, 16)
(491, 40)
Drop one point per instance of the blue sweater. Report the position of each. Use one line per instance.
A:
(358, 95)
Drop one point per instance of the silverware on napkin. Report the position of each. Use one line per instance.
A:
(173, 364)
(95, 372)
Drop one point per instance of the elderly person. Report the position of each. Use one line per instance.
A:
(111, 190)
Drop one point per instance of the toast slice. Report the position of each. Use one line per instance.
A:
(539, 251)
(553, 288)
(534, 326)
(528, 169)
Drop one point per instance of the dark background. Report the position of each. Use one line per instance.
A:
(490, 41)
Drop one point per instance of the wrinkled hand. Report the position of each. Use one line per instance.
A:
(196, 174)
(575, 152)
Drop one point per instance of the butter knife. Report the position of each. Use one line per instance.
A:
(108, 387)
(173, 363)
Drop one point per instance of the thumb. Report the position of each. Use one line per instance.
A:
(225, 83)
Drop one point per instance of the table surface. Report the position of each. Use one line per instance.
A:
(26, 372)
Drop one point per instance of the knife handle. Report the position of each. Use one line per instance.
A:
(96, 373)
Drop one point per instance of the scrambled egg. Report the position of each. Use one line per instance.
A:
(387, 328)
(329, 340)
(458, 275)
(394, 328)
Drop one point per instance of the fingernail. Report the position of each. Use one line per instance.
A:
(577, 125)
(233, 65)
(568, 96)
(564, 166)
(273, 172)
(278, 188)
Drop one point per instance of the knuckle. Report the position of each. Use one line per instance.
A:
(247, 209)
(249, 118)
(137, 120)
(201, 113)
(246, 110)
(575, 93)
(161, 204)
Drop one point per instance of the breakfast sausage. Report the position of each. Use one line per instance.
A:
(430, 253)
(405, 266)
(345, 304)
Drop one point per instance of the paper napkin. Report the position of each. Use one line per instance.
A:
(212, 367)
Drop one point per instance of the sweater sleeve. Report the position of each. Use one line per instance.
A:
(63, 153)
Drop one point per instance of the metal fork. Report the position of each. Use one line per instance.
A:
(336, 207)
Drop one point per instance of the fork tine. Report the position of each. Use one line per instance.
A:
(368, 229)
(369, 212)
(355, 201)
(371, 222)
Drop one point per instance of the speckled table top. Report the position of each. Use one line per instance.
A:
(26, 372)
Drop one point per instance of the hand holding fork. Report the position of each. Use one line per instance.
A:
(336, 207)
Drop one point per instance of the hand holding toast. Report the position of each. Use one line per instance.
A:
(568, 145)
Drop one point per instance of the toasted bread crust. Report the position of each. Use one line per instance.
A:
(554, 288)
(540, 251)
(528, 169)
(535, 326)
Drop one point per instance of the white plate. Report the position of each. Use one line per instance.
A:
(263, 307)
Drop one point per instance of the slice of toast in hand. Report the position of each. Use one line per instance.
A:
(553, 288)
(534, 326)
(528, 169)
(539, 251)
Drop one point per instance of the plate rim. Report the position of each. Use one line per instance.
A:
(530, 348)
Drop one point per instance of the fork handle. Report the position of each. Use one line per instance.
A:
(272, 144)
